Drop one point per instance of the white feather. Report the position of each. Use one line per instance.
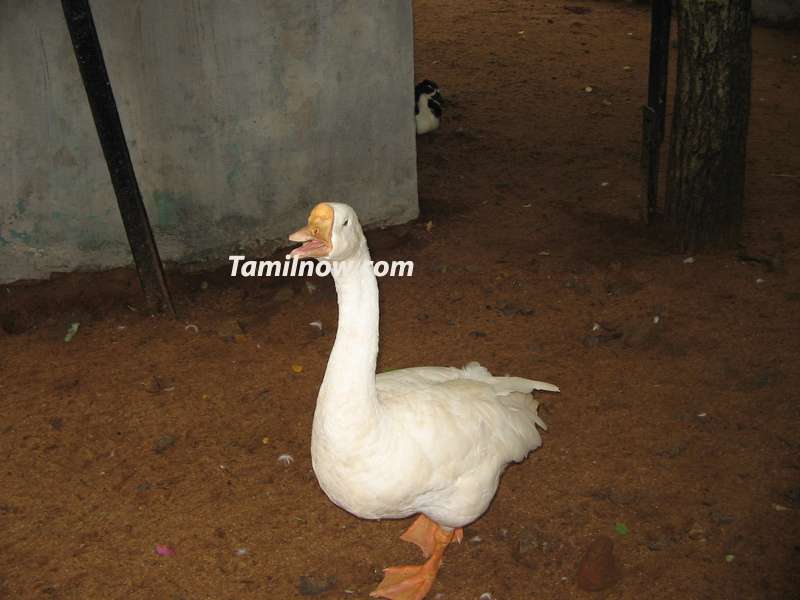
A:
(426, 121)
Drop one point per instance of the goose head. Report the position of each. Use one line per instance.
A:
(332, 233)
(427, 89)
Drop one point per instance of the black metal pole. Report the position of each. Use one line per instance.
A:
(82, 30)
(654, 113)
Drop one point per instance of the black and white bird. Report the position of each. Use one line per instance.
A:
(427, 106)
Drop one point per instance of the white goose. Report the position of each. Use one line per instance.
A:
(429, 440)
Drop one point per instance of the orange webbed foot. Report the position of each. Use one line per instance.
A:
(405, 583)
(414, 582)
(423, 533)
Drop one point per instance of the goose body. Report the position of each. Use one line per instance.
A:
(428, 440)
(440, 441)
(427, 106)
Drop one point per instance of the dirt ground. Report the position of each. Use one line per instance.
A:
(679, 440)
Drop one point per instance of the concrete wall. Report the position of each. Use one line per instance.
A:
(240, 115)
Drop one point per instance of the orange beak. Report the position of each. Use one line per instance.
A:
(316, 236)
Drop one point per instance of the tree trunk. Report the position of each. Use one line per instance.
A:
(705, 188)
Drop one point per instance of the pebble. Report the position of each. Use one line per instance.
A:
(578, 10)
(524, 553)
(674, 450)
(598, 568)
(697, 533)
(533, 548)
(155, 385)
(600, 335)
(164, 443)
(642, 334)
(721, 519)
(659, 543)
(232, 331)
(313, 585)
(507, 309)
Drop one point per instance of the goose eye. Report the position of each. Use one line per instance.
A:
(346, 223)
